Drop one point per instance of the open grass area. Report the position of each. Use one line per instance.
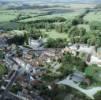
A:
(53, 34)
(93, 16)
(7, 15)
(6, 18)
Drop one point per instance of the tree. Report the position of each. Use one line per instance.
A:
(16, 88)
(77, 21)
(56, 43)
(26, 38)
(35, 33)
(82, 31)
(71, 62)
(74, 31)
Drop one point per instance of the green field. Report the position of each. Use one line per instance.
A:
(68, 11)
(7, 15)
(6, 18)
(53, 34)
(93, 16)
(67, 15)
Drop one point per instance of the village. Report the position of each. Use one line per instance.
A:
(28, 65)
(50, 49)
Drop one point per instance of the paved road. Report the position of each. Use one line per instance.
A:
(89, 92)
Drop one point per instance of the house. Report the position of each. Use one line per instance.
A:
(83, 48)
(2, 31)
(51, 54)
(35, 43)
(3, 42)
(77, 77)
(99, 52)
(27, 56)
(95, 60)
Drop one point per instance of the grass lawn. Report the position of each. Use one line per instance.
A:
(54, 34)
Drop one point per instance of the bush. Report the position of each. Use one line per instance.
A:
(56, 43)
(98, 96)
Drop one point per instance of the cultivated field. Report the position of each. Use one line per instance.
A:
(66, 11)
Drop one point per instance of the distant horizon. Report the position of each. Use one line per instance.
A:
(53, 0)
